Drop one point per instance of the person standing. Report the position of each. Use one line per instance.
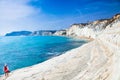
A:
(6, 70)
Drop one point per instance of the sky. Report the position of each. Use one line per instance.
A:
(32, 15)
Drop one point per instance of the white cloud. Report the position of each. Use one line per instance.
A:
(15, 9)
(14, 14)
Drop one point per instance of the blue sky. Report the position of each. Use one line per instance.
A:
(17, 15)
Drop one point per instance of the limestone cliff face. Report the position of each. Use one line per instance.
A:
(92, 29)
(61, 32)
(96, 60)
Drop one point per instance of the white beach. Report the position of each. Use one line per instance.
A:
(92, 61)
(96, 60)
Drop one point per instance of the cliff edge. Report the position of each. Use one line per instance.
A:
(89, 30)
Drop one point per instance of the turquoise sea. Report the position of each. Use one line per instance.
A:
(21, 51)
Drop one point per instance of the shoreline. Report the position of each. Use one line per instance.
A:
(84, 38)
(88, 40)
(52, 57)
(43, 64)
(99, 59)
(89, 60)
(93, 59)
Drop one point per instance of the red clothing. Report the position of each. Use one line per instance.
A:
(6, 69)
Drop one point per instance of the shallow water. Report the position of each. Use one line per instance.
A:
(21, 51)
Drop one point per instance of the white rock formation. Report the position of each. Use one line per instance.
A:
(60, 33)
(96, 60)
(92, 29)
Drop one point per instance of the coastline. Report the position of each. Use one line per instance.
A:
(77, 38)
(84, 38)
(99, 59)
(45, 66)
(94, 61)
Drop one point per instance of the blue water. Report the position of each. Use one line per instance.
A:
(19, 52)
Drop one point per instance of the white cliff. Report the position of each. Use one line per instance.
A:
(91, 29)
(96, 60)
(61, 32)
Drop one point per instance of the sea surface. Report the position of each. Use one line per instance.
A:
(21, 51)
